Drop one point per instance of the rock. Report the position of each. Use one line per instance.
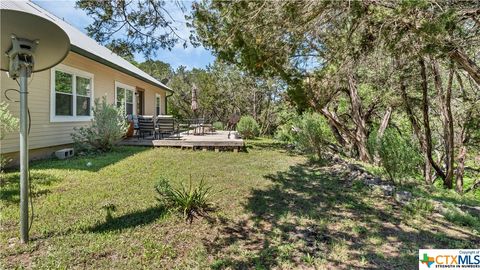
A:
(403, 197)
(438, 207)
(387, 189)
(375, 181)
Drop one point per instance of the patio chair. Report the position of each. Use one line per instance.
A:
(165, 124)
(146, 124)
(197, 125)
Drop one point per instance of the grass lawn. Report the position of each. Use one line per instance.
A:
(274, 210)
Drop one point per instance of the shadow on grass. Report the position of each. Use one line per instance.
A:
(130, 220)
(10, 185)
(92, 162)
(313, 215)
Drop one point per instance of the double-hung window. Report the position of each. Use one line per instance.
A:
(71, 94)
(124, 97)
(157, 104)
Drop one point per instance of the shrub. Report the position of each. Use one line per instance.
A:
(463, 219)
(248, 127)
(190, 201)
(218, 125)
(418, 207)
(309, 133)
(399, 156)
(8, 123)
(107, 128)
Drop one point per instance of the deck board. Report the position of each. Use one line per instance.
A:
(218, 139)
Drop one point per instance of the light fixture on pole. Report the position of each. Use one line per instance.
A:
(29, 43)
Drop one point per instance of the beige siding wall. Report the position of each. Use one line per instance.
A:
(45, 133)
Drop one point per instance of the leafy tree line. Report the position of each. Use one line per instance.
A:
(366, 66)
(223, 90)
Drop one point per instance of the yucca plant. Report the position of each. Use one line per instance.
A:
(190, 201)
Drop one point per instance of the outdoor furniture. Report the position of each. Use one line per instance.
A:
(198, 126)
(146, 124)
(165, 124)
(133, 125)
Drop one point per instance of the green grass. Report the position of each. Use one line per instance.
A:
(273, 210)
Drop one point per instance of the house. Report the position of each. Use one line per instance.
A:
(61, 98)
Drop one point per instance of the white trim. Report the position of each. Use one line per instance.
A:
(130, 88)
(74, 72)
(159, 104)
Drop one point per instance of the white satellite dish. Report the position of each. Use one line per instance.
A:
(29, 43)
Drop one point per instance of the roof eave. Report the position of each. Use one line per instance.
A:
(101, 60)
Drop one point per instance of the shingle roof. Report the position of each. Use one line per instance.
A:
(83, 44)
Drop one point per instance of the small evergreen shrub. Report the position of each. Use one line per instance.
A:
(189, 201)
(248, 127)
(107, 128)
(418, 207)
(398, 155)
(218, 125)
(8, 123)
(308, 133)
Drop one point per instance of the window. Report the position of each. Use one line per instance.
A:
(157, 104)
(124, 97)
(72, 92)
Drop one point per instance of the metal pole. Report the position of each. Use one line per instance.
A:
(23, 154)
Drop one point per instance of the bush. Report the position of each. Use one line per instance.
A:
(463, 219)
(248, 127)
(107, 128)
(191, 201)
(418, 207)
(309, 133)
(218, 125)
(398, 156)
(8, 123)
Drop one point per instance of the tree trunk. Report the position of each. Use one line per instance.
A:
(384, 124)
(448, 135)
(381, 131)
(462, 60)
(460, 169)
(358, 119)
(345, 136)
(429, 163)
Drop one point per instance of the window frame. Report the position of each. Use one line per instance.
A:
(127, 88)
(74, 72)
(159, 104)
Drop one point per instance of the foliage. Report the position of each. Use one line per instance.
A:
(159, 70)
(309, 133)
(463, 219)
(109, 208)
(107, 127)
(8, 123)
(248, 127)
(224, 90)
(146, 26)
(218, 125)
(190, 201)
(418, 207)
(335, 61)
(399, 157)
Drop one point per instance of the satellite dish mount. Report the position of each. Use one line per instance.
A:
(21, 55)
(20, 36)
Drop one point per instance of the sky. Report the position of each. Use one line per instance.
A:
(190, 57)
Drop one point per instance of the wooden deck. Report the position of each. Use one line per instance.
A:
(211, 141)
